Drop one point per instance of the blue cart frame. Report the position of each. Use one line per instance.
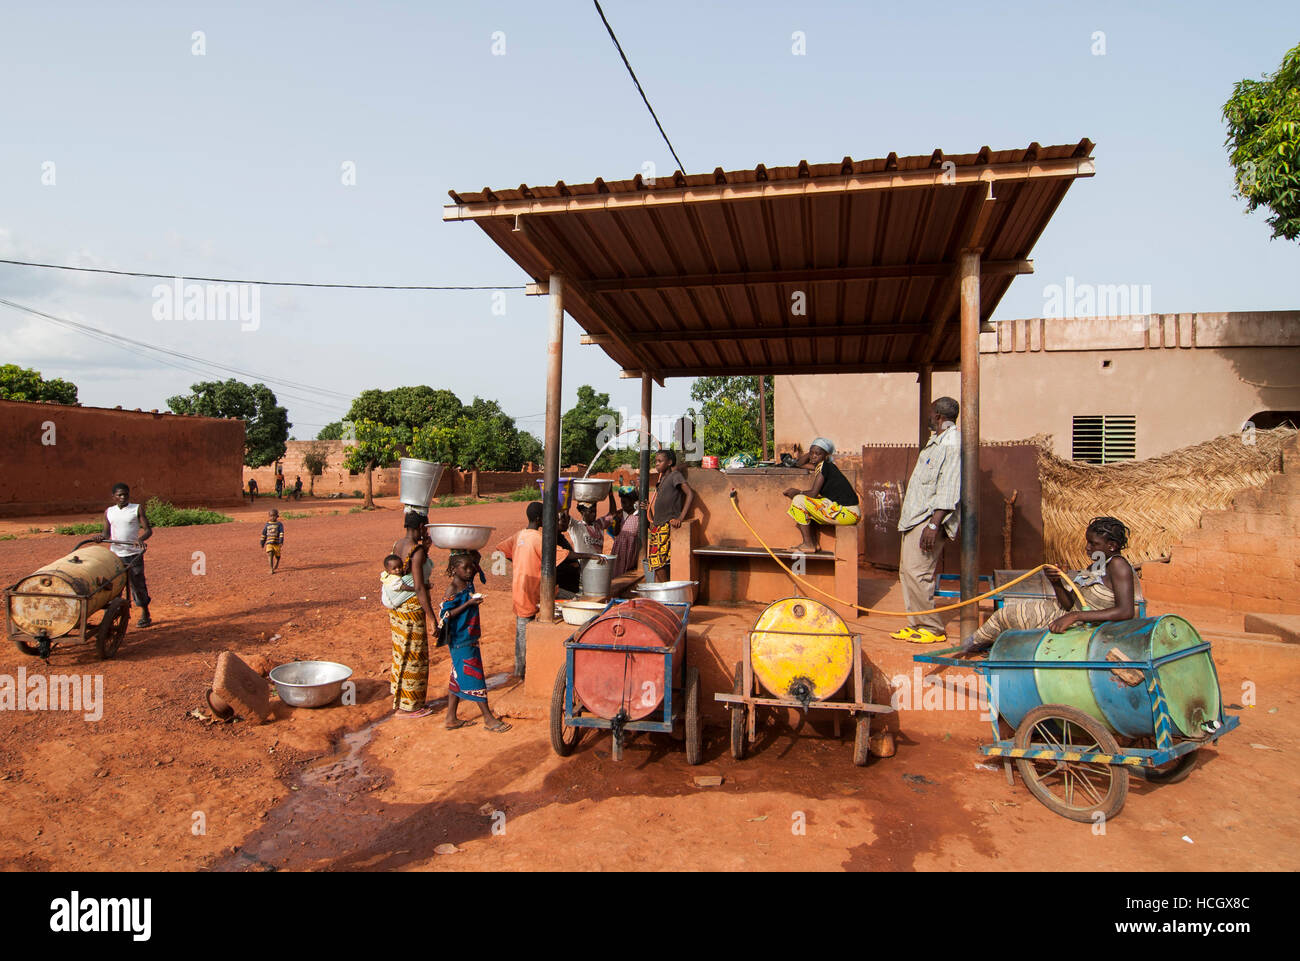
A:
(677, 706)
(1143, 760)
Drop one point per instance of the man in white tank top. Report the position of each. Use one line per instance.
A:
(128, 528)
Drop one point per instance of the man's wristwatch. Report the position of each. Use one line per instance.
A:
(933, 526)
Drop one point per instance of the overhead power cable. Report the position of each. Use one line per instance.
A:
(263, 283)
(662, 133)
(187, 361)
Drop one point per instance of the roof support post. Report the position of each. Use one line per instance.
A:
(643, 481)
(969, 275)
(551, 466)
(926, 398)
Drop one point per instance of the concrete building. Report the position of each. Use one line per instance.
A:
(1105, 388)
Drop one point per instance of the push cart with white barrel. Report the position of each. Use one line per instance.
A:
(625, 671)
(802, 653)
(56, 603)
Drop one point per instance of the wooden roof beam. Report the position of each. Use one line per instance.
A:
(801, 276)
(826, 332)
(962, 174)
(793, 369)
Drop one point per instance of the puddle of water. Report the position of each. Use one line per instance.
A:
(330, 813)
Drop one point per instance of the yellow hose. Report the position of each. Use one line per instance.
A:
(1083, 605)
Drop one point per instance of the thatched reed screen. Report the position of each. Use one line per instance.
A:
(1160, 499)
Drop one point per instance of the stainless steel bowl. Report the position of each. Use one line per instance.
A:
(309, 683)
(459, 537)
(669, 591)
(589, 490)
(576, 613)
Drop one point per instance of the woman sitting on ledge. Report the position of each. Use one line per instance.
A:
(1107, 586)
(830, 499)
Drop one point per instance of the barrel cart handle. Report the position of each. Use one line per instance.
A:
(100, 540)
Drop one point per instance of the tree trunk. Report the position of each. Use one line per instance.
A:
(370, 486)
(311, 485)
(473, 483)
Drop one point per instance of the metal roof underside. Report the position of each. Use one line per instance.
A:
(705, 274)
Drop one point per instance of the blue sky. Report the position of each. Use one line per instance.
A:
(230, 163)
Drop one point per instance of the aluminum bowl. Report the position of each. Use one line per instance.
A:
(309, 683)
(577, 613)
(459, 537)
(681, 592)
(589, 490)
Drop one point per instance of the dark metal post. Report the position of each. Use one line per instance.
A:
(644, 479)
(762, 414)
(926, 395)
(969, 266)
(551, 467)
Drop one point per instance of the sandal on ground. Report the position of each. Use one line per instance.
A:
(906, 634)
(500, 727)
(924, 636)
(418, 712)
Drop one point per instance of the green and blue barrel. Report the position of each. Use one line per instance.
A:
(1190, 684)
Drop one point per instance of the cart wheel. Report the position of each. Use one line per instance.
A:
(563, 739)
(862, 736)
(1173, 772)
(26, 648)
(693, 715)
(739, 739)
(1077, 790)
(112, 628)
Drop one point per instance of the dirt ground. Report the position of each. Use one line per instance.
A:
(153, 786)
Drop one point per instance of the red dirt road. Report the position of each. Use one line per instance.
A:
(350, 788)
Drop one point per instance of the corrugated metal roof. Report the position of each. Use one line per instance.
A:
(846, 266)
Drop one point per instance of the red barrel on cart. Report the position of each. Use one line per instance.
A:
(609, 681)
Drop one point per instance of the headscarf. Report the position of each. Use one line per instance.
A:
(824, 444)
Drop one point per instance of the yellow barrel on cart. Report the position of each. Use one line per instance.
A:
(54, 594)
(801, 648)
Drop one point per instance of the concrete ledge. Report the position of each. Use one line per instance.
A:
(1285, 627)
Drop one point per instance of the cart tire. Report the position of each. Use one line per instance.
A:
(862, 734)
(108, 638)
(694, 755)
(26, 648)
(1102, 788)
(563, 739)
(1176, 770)
(739, 732)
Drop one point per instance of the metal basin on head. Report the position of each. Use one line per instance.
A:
(459, 537)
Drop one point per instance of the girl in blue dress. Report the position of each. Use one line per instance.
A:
(461, 623)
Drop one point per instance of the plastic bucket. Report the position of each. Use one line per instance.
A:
(566, 492)
(418, 481)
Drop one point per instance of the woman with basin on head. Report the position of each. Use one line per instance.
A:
(1107, 586)
(409, 621)
(829, 499)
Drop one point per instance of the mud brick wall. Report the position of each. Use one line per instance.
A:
(63, 460)
(1246, 558)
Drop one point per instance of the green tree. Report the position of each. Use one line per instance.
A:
(266, 423)
(530, 449)
(728, 420)
(315, 458)
(376, 445)
(433, 443)
(486, 437)
(331, 431)
(1263, 118)
(21, 383)
(581, 426)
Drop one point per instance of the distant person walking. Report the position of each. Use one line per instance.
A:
(273, 539)
(279, 484)
(252, 491)
(297, 487)
(928, 520)
(126, 525)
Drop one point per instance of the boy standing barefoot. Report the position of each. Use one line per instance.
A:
(273, 539)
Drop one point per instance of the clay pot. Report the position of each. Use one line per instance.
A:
(220, 709)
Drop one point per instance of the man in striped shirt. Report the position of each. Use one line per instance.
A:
(928, 520)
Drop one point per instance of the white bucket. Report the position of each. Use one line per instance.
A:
(418, 481)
